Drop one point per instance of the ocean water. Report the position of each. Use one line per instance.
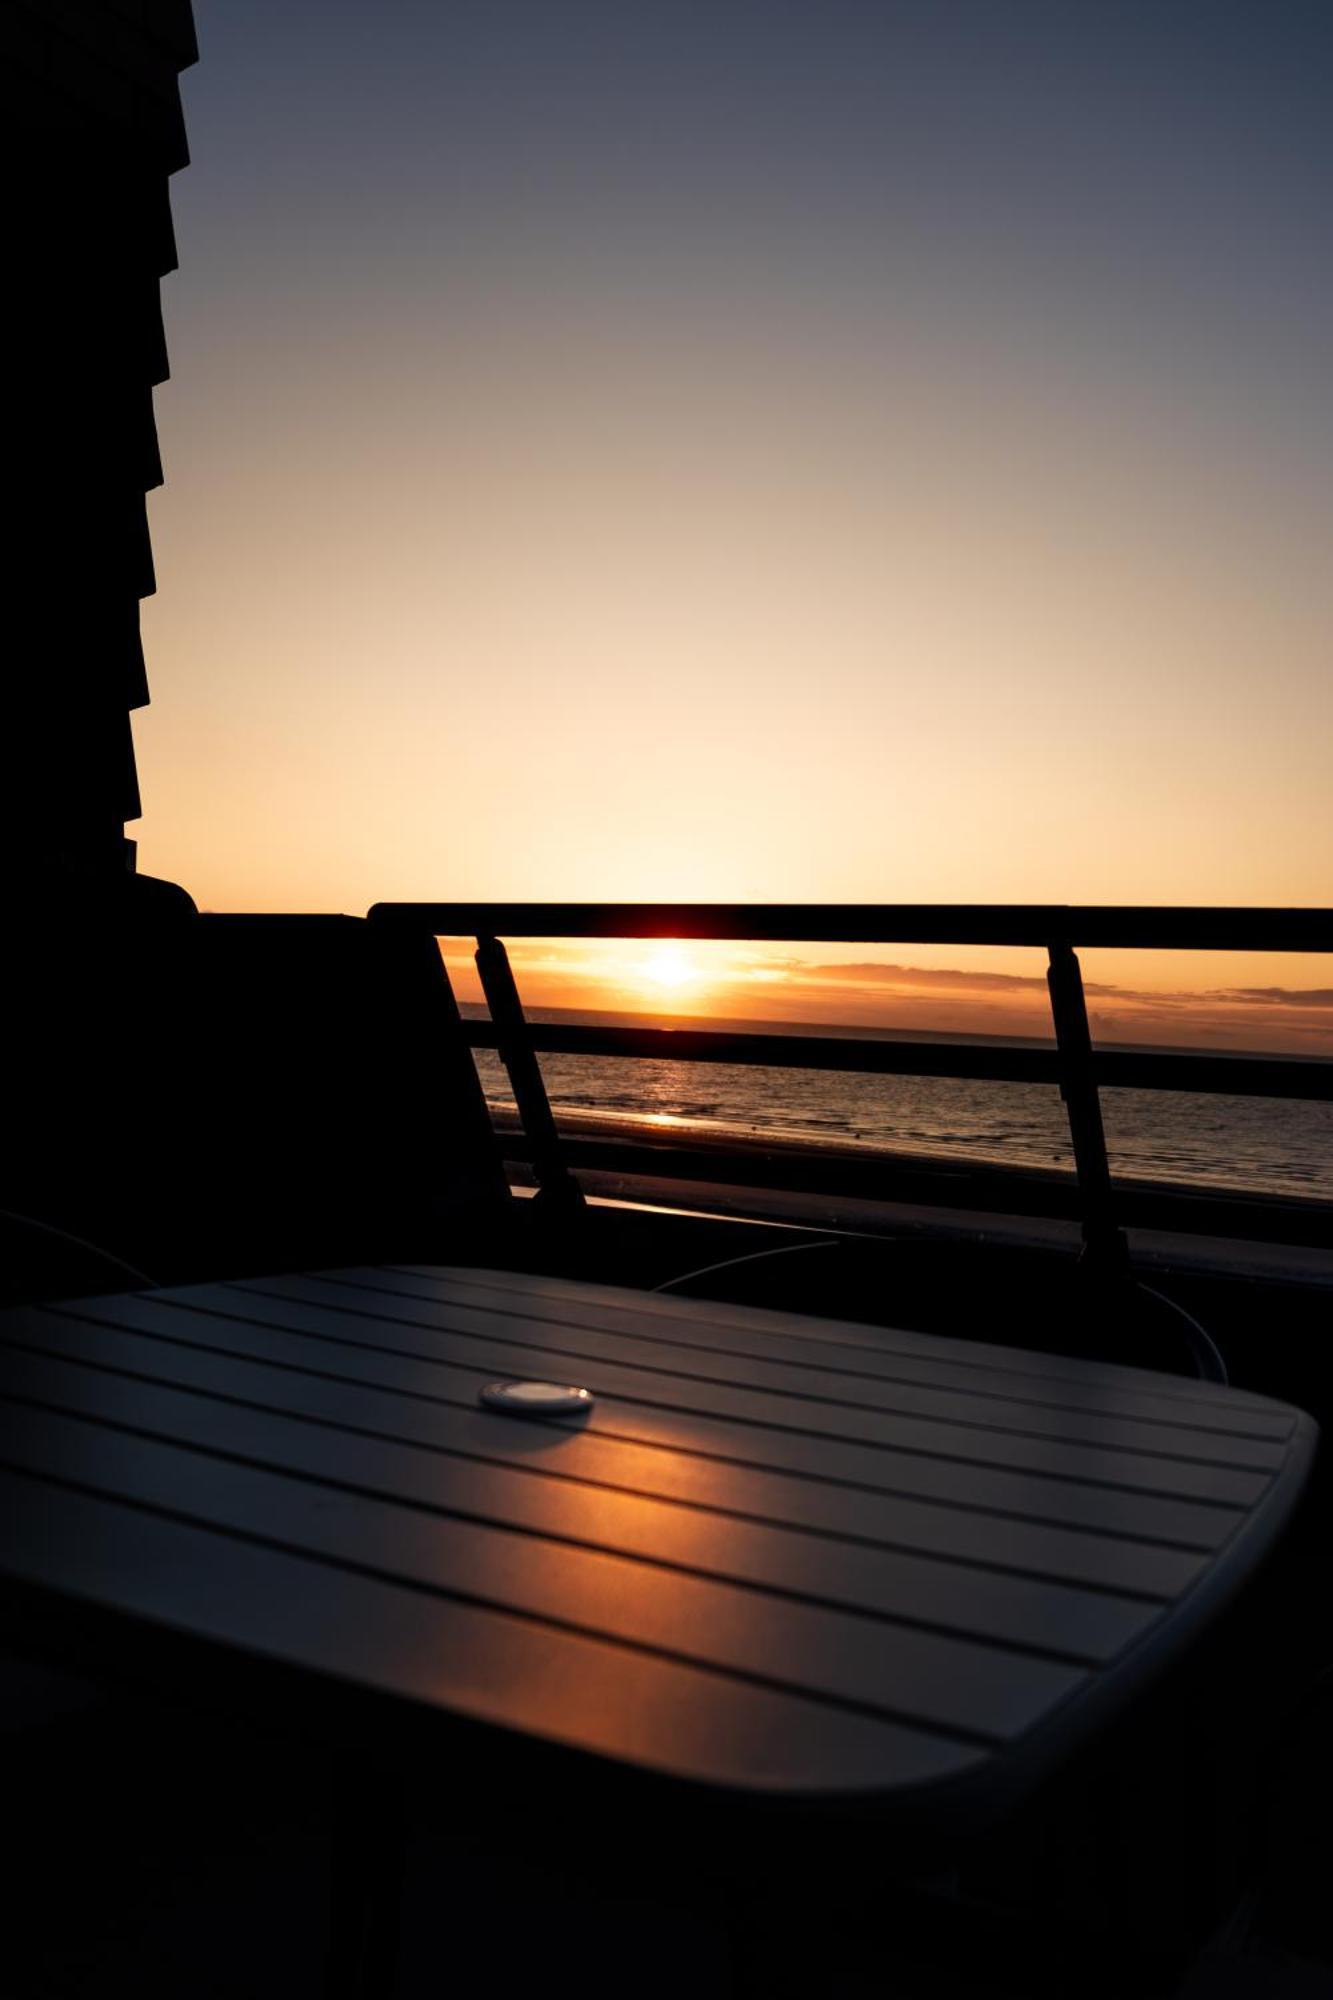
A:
(1255, 1144)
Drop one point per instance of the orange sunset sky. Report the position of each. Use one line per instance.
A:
(815, 453)
(974, 993)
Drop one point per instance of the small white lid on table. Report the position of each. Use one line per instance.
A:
(535, 1399)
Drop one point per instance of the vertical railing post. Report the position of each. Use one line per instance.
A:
(1103, 1239)
(555, 1183)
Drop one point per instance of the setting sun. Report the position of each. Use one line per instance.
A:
(670, 966)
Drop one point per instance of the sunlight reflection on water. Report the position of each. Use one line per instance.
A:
(1261, 1145)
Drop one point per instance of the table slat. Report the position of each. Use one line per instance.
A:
(399, 1332)
(1051, 1485)
(960, 1686)
(898, 1357)
(1086, 1420)
(989, 1604)
(710, 1320)
(967, 1534)
(458, 1658)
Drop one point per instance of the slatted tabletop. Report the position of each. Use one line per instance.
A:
(781, 1556)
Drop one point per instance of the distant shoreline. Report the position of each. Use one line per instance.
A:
(717, 1136)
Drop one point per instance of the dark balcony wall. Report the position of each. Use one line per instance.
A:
(91, 117)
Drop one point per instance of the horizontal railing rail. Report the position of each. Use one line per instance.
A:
(1148, 927)
(1072, 1065)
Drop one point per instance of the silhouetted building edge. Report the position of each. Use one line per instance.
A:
(92, 132)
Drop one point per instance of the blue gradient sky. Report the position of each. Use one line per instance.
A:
(735, 450)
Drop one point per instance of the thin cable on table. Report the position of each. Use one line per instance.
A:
(1207, 1355)
(80, 1243)
(750, 1257)
(1209, 1363)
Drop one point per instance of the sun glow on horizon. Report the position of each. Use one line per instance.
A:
(670, 967)
(1224, 1001)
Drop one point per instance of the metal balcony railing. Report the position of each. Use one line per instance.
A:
(1073, 1065)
